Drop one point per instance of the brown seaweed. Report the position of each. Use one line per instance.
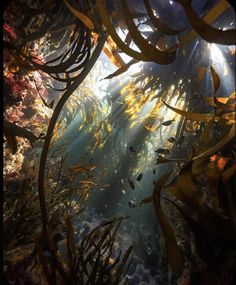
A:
(205, 31)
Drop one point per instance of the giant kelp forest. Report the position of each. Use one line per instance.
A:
(119, 142)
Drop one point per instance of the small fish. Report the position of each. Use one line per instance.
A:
(132, 204)
(161, 150)
(154, 171)
(140, 176)
(42, 136)
(167, 123)
(131, 184)
(132, 149)
(171, 140)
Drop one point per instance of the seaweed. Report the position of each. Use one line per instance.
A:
(60, 41)
(206, 31)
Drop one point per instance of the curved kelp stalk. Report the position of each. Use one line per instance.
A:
(78, 57)
(175, 258)
(74, 39)
(112, 32)
(194, 116)
(83, 18)
(157, 23)
(205, 31)
(150, 51)
(52, 123)
(121, 70)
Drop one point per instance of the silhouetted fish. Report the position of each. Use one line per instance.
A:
(131, 184)
(140, 176)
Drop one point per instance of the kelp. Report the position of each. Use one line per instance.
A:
(112, 32)
(175, 258)
(112, 53)
(92, 260)
(160, 25)
(11, 131)
(206, 31)
(83, 18)
(47, 259)
(77, 43)
(161, 57)
(22, 212)
(194, 116)
(201, 73)
(53, 121)
(213, 232)
(121, 70)
(151, 52)
(227, 138)
(216, 79)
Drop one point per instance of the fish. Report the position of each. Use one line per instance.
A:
(131, 183)
(132, 204)
(171, 139)
(140, 176)
(132, 149)
(162, 151)
(167, 123)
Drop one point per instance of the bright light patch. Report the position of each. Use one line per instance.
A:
(216, 54)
